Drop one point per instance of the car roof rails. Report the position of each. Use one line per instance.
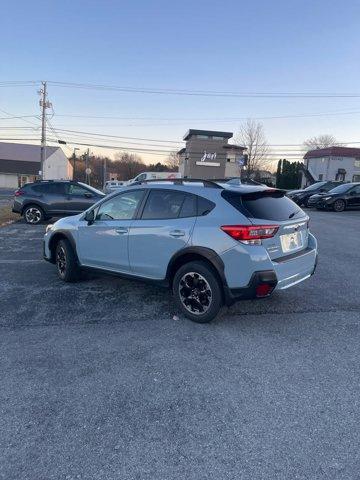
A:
(181, 181)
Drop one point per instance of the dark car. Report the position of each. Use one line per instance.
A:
(50, 198)
(301, 197)
(338, 199)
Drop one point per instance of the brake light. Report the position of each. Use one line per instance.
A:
(19, 192)
(264, 289)
(246, 233)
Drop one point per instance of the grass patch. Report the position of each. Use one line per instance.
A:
(7, 216)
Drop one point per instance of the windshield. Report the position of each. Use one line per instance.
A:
(95, 190)
(341, 188)
(315, 186)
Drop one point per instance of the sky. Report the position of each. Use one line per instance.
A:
(230, 46)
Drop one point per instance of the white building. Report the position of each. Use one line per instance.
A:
(333, 163)
(20, 163)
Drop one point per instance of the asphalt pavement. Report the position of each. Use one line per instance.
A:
(99, 380)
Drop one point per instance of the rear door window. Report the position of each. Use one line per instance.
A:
(49, 188)
(163, 204)
(267, 205)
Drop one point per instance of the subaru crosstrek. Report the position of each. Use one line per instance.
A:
(44, 199)
(212, 244)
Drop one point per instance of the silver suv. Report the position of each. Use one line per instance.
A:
(211, 243)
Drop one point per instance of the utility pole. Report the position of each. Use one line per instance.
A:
(74, 163)
(104, 170)
(87, 169)
(44, 104)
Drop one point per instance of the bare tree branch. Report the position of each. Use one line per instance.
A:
(321, 141)
(173, 161)
(252, 136)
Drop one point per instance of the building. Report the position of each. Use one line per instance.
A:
(20, 163)
(333, 163)
(208, 154)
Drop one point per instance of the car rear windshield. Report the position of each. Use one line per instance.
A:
(267, 205)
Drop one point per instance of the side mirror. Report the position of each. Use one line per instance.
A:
(88, 195)
(353, 193)
(322, 190)
(90, 217)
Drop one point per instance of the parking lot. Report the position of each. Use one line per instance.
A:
(101, 380)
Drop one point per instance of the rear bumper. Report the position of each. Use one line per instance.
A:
(281, 273)
(16, 208)
(265, 277)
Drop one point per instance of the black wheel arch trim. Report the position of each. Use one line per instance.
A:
(58, 234)
(206, 253)
(29, 203)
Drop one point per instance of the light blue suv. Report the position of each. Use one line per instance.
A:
(211, 243)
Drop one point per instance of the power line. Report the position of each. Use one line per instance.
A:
(218, 119)
(162, 91)
(23, 119)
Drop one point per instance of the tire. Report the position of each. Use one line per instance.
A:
(339, 205)
(305, 203)
(206, 300)
(66, 262)
(33, 214)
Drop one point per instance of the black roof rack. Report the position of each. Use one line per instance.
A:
(180, 181)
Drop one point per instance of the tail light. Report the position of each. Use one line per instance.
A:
(19, 192)
(264, 289)
(251, 234)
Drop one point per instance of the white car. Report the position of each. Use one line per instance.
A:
(112, 185)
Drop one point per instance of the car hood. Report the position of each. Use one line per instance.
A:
(65, 221)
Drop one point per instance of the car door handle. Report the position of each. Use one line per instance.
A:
(177, 233)
(121, 230)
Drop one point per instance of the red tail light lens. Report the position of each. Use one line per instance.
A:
(250, 232)
(264, 289)
(19, 192)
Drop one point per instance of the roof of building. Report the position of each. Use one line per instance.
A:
(333, 151)
(181, 151)
(23, 152)
(208, 133)
(230, 146)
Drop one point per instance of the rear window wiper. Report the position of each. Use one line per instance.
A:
(293, 214)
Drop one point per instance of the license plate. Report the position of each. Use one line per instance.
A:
(291, 241)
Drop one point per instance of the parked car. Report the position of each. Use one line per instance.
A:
(338, 199)
(301, 197)
(112, 185)
(49, 198)
(210, 244)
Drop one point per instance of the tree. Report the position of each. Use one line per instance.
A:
(288, 175)
(321, 141)
(127, 165)
(173, 161)
(252, 136)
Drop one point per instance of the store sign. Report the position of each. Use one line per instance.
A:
(208, 156)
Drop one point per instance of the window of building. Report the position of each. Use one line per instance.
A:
(203, 137)
(121, 207)
(357, 163)
(321, 177)
(356, 178)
